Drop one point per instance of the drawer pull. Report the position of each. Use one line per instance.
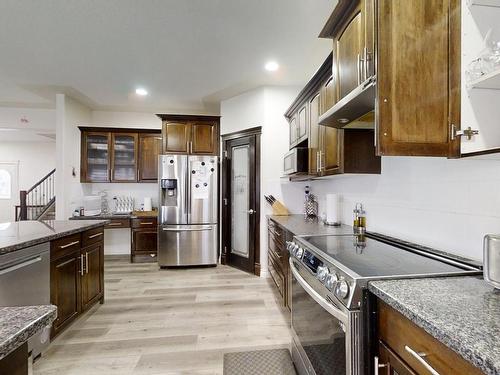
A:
(378, 365)
(96, 235)
(82, 267)
(147, 223)
(114, 224)
(68, 245)
(420, 357)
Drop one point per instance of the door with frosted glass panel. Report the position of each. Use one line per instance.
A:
(240, 202)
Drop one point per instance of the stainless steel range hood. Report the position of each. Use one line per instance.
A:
(353, 106)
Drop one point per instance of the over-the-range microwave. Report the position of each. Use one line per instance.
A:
(296, 161)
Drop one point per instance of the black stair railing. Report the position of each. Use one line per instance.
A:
(33, 203)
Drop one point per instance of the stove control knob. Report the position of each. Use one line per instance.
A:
(342, 289)
(289, 245)
(299, 252)
(294, 249)
(321, 273)
(331, 280)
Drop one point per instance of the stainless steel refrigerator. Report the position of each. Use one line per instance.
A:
(188, 210)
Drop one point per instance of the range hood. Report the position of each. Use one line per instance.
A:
(355, 105)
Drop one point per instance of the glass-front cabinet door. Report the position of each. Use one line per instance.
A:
(124, 157)
(96, 157)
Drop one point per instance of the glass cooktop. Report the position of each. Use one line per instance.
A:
(372, 258)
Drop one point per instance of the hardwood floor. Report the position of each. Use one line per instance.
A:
(169, 322)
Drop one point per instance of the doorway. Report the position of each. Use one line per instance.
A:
(9, 190)
(241, 200)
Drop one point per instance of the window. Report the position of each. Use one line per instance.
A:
(5, 184)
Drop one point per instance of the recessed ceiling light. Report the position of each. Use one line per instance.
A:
(271, 66)
(141, 91)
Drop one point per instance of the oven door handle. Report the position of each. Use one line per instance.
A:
(336, 312)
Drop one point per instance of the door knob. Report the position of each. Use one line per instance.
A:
(251, 212)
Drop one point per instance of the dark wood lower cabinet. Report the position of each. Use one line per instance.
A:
(16, 362)
(65, 284)
(144, 238)
(76, 276)
(403, 348)
(93, 276)
(278, 260)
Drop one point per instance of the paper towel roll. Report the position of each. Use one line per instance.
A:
(332, 209)
(147, 204)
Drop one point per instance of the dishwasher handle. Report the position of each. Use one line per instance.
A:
(19, 265)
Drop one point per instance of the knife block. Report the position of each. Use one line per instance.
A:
(279, 209)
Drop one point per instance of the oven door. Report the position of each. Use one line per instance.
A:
(324, 335)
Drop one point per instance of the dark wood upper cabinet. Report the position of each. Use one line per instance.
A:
(303, 122)
(124, 157)
(294, 131)
(204, 138)
(149, 149)
(415, 78)
(190, 134)
(314, 135)
(119, 154)
(176, 137)
(349, 49)
(95, 157)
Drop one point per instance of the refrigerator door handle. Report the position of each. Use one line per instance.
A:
(186, 229)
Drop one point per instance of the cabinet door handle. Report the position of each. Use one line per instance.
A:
(359, 68)
(378, 365)
(68, 245)
(96, 235)
(86, 262)
(147, 223)
(82, 267)
(420, 357)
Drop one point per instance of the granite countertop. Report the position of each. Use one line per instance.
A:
(20, 234)
(461, 312)
(18, 324)
(297, 225)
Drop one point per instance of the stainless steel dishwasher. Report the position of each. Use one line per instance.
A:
(25, 281)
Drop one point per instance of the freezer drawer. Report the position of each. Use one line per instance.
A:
(187, 245)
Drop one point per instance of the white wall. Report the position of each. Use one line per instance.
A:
(36, 159)
(263, 107)
(446, 204)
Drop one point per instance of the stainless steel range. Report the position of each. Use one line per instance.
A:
(330, 277)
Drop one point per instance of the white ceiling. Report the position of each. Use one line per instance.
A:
(189, 54)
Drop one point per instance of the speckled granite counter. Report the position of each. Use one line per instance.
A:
(18, 324)
(113, 217)
(461, 312)
(20, 234)
(300, 227)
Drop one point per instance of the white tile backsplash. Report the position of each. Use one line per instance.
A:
(446, 204)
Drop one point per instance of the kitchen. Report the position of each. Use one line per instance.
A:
(391, 133)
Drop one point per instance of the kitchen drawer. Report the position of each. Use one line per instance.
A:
(402, 336)
(64, 246)
(277, 259)
(144, 222)
(118, 223)
(276, 275)
(92, 236)
(276, 232)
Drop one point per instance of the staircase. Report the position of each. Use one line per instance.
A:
(39, 202)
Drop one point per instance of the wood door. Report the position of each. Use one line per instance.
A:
(144, 241)
(241, 210)
(93, 275)
(294, 131)
(124, 157)
(95, 157)
(327, 95)
(390, 363)
(330, 150)
(368, 56)
(313, 139)
(414, 75)
(176, 137)
(204, 138)
(302, 122)
(349, 50)
(65, 289)
(149, 149)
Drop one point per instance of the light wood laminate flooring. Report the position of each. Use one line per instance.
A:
(178, 321)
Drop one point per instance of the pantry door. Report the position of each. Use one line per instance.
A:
(240, 201)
